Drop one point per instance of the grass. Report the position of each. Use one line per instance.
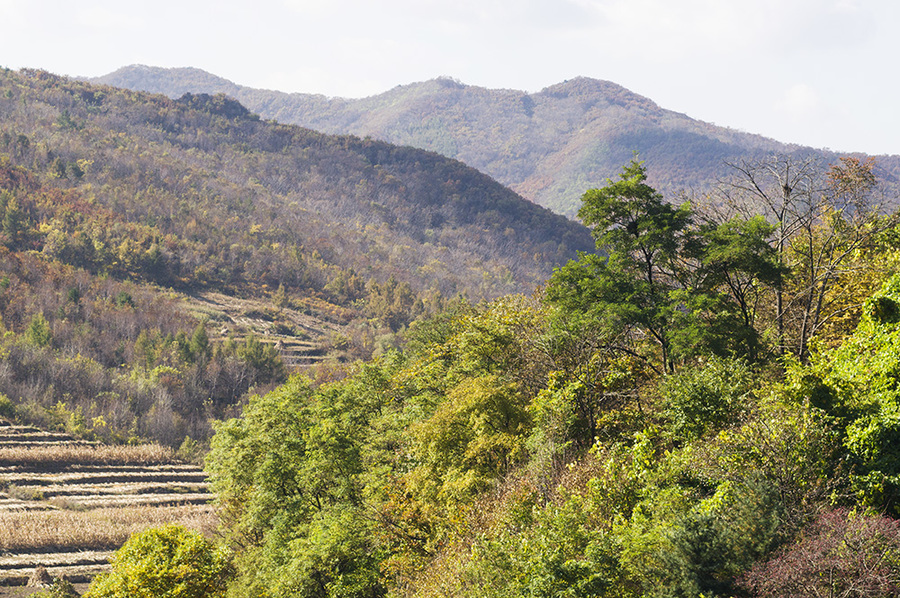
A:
(142, 454)
(97, 529)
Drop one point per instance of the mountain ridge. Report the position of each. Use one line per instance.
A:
(549, 146)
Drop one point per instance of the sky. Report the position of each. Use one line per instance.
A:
(821, 73)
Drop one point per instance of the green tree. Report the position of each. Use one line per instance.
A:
(263, 358)
(475, 436)
(199, 344)
(736, 256)
(169, 562)
(651, 280)
(289, 475)
(38, 331)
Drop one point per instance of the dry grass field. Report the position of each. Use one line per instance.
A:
(67, 505)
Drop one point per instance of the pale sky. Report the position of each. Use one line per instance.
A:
(816, 72)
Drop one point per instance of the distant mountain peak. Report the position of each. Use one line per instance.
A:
(549, 146)
(588, 88)
(173, 81)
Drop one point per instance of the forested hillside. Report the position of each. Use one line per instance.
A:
(549, 146)
(709, 409)
(703, 403)
(121, 212)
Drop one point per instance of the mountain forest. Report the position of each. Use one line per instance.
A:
(548, 146)
(677, 396)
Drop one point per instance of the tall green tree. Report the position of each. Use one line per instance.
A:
(658, 276)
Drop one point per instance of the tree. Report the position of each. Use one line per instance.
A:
(735, 255)
(661, 277)
(640, 235)
(288, 475)
(38, 331)
(820, 219)
(169, 562)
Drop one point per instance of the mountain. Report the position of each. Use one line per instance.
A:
(182, 253)
(548, 146)
(246, 200)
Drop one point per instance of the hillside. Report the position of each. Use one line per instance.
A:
(655, 424)
(227, 197)
(160, 259)
(549, 146)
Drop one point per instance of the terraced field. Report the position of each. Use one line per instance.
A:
(67, 505)
(301, 336)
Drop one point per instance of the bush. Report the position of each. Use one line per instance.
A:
(169, 562)
(61, 588)
(841, 555)
(707, 397)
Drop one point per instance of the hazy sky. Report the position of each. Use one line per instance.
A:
(817, 72)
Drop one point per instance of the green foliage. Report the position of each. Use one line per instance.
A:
(707, 397)
(169, 562)
(722, 537)
(289, 480)
(262, 357)
(475, 436)
(7, 408)
(661, 276)
(553, 552)
(38, 332)
(336, 558)
(859, 383)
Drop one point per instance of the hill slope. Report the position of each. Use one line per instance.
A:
(549, 146)
(277, 204)
(159, 259)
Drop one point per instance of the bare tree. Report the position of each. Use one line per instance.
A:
(822, 217)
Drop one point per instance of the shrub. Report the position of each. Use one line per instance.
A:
(841, 555)
(168, 562)
(706, 398)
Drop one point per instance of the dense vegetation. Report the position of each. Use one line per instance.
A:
(705, 405)
(108, 198)
(549, 146)
(696, 414)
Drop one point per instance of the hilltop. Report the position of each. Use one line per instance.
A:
(549, 146)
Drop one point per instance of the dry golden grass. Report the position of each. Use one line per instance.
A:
(96, 529)
(142, 454)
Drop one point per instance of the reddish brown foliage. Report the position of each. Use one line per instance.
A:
(840, 556)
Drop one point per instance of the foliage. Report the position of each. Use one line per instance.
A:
(288, 479)
(165, 562)
(858, 383)
(553, 551)
(86, 353)
(38, 331)
(841, 554)
(706, 398)
(659, 277)
(474, 436)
